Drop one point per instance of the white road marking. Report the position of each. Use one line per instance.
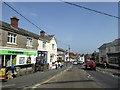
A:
(52, 77)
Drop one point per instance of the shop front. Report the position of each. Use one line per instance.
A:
(41, 60)
(17, 57)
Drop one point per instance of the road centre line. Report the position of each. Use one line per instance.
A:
(35, 86)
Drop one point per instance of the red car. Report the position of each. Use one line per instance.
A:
(90, 64)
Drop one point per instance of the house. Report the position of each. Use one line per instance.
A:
(73, 56)
(110, 52)
(48, 44)
(17, 45)
(61, 54)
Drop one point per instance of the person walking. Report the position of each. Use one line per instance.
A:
(105, 64)
(56, 64)
(12, 68)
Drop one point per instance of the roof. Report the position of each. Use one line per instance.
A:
(8, 27)
(103, 46)
(60, 49)
(47, 38)
(116, 42)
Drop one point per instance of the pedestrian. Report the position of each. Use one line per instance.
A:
(105, 65)
(51, 65)
(12, 68)
(56, 64)
(9, 74)
(59, 64)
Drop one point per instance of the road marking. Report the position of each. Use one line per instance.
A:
(106, 72)
(35, 86)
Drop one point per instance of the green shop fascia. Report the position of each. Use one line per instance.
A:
(7, 55)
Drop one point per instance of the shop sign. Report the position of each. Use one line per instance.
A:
(16, 52)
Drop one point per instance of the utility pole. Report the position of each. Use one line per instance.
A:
(69, 51)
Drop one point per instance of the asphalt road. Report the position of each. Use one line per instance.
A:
(78, 77)
(73, 76)
(29, 79)
(105, 80)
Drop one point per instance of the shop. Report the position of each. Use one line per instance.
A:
(41, 60)
(17, 57)
(114, 59)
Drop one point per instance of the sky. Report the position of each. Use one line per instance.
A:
(85, 31)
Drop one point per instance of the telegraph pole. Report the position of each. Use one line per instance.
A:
(69, 51)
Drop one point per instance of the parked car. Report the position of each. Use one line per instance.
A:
(90, 64)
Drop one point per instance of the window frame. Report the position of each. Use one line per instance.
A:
(44, 44)
(11, 38)
(53, 46)
(29, 42)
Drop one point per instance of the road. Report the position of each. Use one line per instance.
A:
(73, 76)
(78, 77)
(29, 79)
(103, 79)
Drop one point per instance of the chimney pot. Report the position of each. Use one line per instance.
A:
(42, 34)
(14, 21)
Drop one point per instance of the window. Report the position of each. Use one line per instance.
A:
(44, 44)
(11, 38)
(29, 41)
(21, 60)
(53, 46)
(117, 48)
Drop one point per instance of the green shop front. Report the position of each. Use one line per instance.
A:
(17, 57)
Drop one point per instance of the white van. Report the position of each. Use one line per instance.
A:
(81, 60)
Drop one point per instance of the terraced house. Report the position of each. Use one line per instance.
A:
(21, 47)
(47, 47)
(17, 45)
(110, 52)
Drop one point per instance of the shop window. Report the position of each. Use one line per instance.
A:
(1, 61)
(7, 58)
(14, 59)
(21, 60)
(28, 60)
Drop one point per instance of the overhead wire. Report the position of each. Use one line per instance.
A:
(29, 20)
(73, 4)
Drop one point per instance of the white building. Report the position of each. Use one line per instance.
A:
(48, 44)
(61, 54)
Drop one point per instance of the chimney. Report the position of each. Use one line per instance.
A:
(42, 34)
(14, 22)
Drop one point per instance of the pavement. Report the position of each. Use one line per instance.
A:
(28, 80)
